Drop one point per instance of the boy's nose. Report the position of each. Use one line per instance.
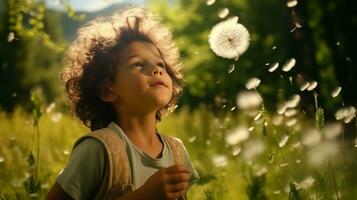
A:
(157, 71)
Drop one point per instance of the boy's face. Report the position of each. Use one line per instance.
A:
(142, 82)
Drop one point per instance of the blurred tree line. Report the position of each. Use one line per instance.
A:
(322, 46)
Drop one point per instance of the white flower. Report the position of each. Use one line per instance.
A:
(248, 100)
(252, 83)
(237, 135)
(229, 39)
(346, 114)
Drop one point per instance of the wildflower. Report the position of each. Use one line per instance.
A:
(229, 39)
(223, 13)
(291, 3)
(252, 83)
(336, 91)
(289, 65)
(273, 67)
(346, 114)
(237, 135)
(248, 100)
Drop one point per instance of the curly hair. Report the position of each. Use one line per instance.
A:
(90, 62)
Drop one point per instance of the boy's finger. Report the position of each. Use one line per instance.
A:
(179, 177)
(177, 169)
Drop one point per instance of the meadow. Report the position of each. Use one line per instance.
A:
(238, 154)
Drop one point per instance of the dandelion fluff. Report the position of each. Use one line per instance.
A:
(210, 2)
(252, 83)
(223, 13)
(336, 91)
(312, 85)
(248, 100)
(273, 67)
(289, 65)
(332, 130)
(346, 114)
(311, 137)
(229, 39)
(219, 160)
(291, 3)
(237, 135)
(304, 86)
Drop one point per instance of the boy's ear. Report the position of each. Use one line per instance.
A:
(107, 93)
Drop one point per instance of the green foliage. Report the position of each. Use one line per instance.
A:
(255, 189)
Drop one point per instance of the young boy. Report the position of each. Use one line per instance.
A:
(123, 76)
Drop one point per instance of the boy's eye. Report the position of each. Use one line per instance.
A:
(161, 64)
(137, 64)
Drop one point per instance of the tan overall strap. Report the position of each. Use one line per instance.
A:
(117, 173)
(178, 151)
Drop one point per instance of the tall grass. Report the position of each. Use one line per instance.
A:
(227, 171)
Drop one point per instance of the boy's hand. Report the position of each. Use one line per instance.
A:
(167, 183)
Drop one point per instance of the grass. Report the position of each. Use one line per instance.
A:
(259, 168)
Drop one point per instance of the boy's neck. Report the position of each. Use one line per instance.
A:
(141, 129)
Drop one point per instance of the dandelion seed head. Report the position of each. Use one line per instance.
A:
(346, 114)
(229, 39)
(223, 13)
(311, 137)
(248, 100)
(289, 65)
(273, 67)
(291, 3)
(332, 130)
(312, 85)
(335, 92)
(237, 136)
(252, 83)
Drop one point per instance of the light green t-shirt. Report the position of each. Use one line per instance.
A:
(84, 172)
